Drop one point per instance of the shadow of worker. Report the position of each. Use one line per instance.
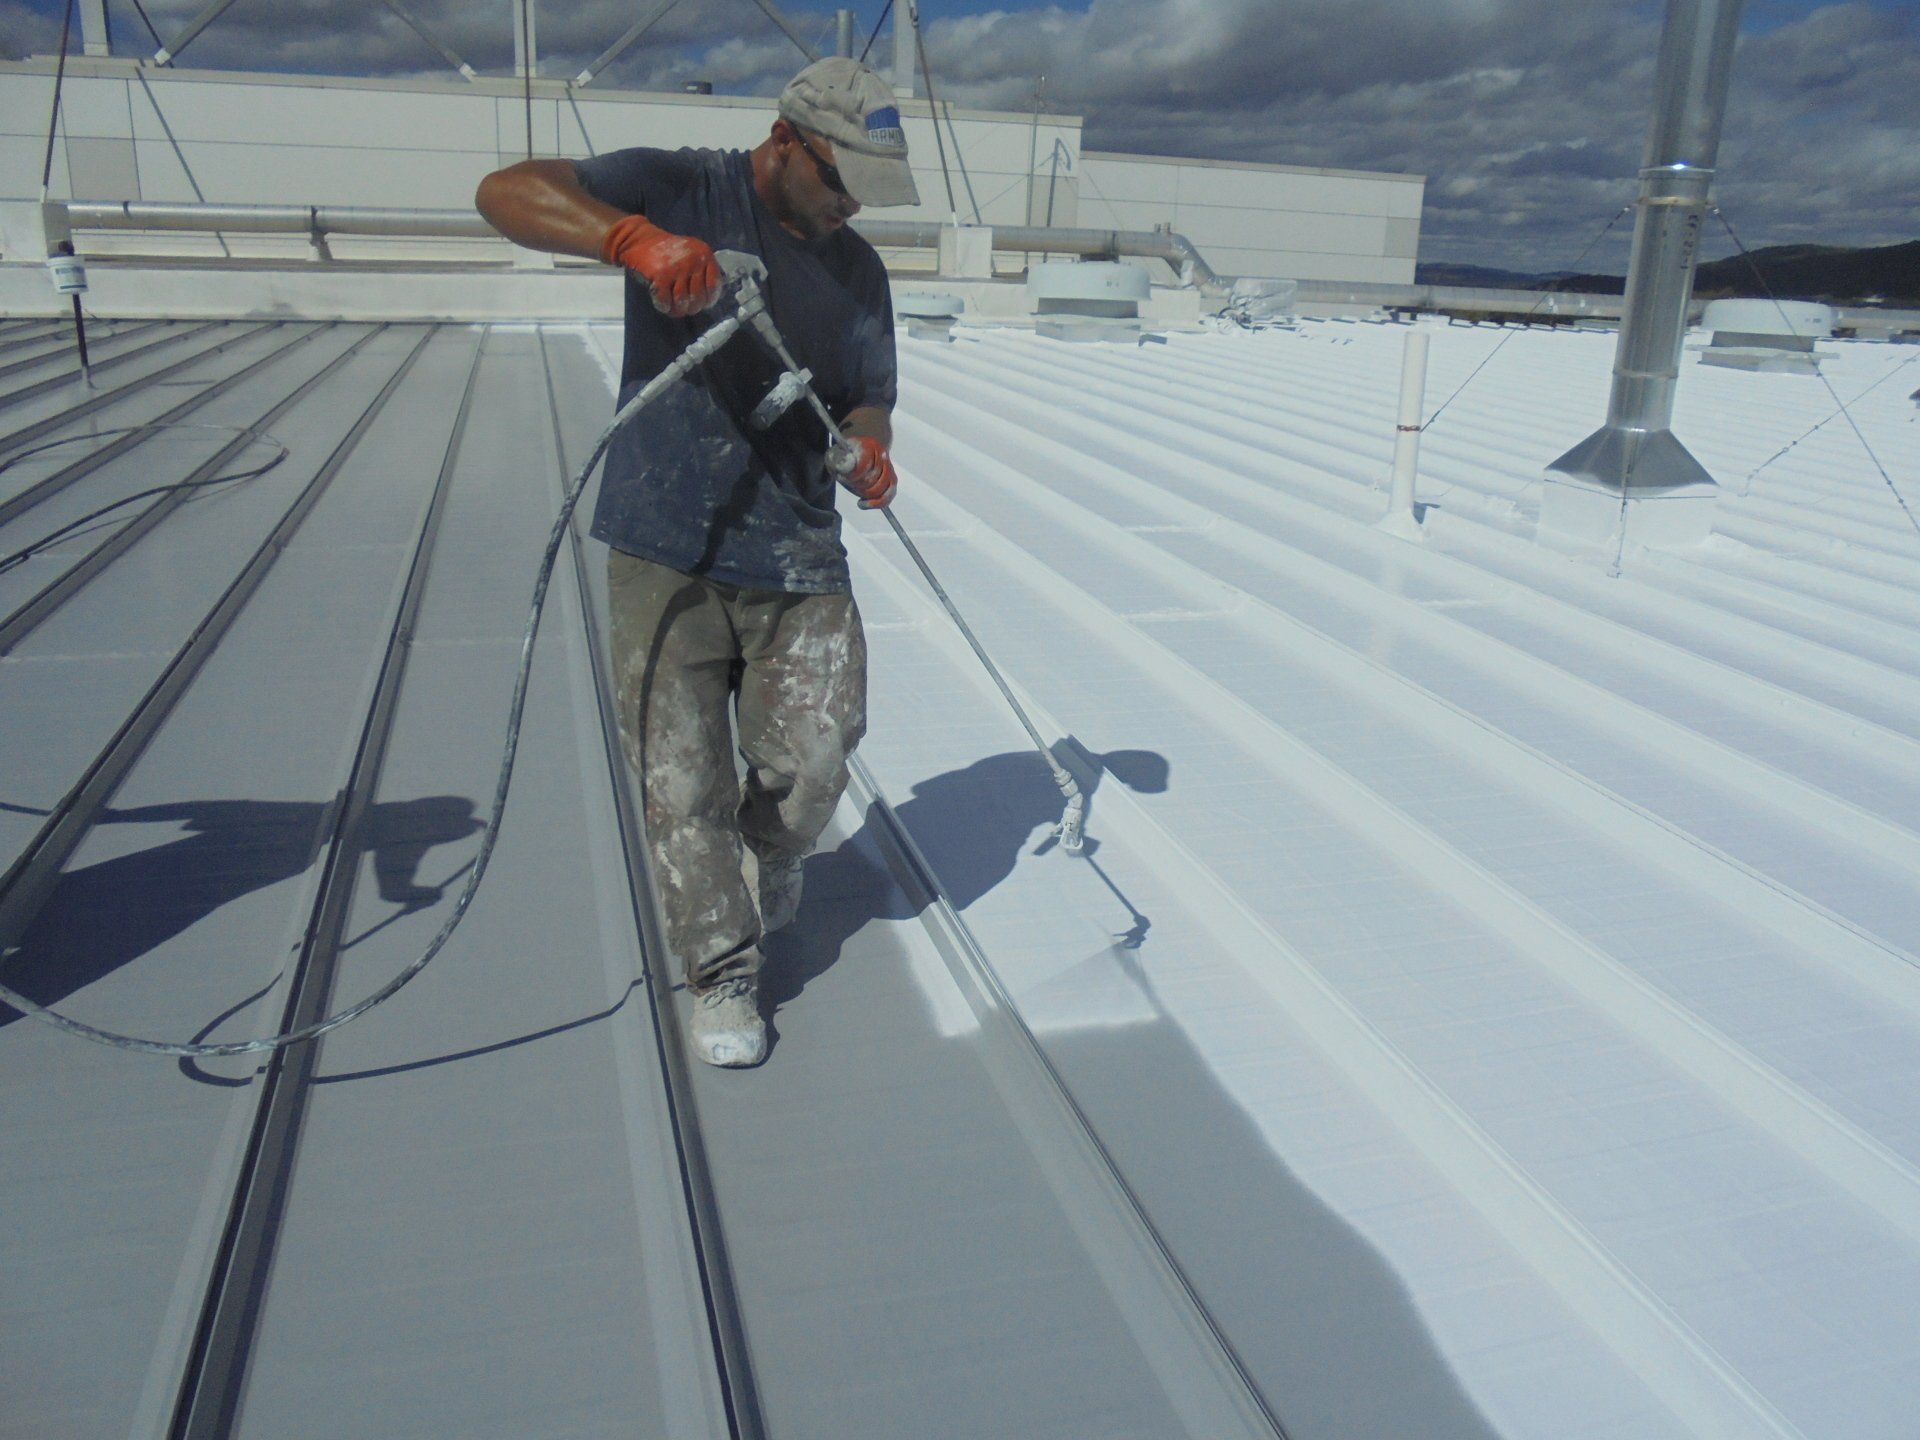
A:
(971, 824)
(102, 916)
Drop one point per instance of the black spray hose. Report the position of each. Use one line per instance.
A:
(697, 352)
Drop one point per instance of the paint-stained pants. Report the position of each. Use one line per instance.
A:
(794, 668)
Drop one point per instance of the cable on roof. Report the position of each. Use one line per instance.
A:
(1821, 425)
(1545, 295)
(1844, 412)
(692, 356)
(49, 540)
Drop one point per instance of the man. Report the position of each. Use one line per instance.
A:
(727, 581)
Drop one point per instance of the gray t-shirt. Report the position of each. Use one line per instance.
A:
(689, 482)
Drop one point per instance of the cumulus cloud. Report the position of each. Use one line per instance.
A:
(1527, 116)
(26, 32)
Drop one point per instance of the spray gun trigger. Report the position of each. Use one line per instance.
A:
(789, 388)
(737, 265)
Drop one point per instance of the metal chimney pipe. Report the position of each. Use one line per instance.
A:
(843, 33)
(1635, 456)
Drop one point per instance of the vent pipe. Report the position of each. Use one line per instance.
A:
(526, 44)
(1635, 457)
(906, 50)
(95, 38)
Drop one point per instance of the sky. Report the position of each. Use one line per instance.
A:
(1527, 117)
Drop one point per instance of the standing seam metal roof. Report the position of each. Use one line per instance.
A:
(1487, 1007)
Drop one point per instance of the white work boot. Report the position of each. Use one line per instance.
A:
(727, 1028)
(780, 877)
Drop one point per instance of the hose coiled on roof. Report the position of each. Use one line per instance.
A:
(696, 353)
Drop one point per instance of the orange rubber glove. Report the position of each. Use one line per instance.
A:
(872, 476)
(680, 270)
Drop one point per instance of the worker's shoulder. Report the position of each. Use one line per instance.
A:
(666, 169)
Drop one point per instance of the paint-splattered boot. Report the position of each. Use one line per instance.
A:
(727, 1028)
(780, 879)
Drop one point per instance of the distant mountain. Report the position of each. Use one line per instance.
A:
(1887, 273)
(1479, 277)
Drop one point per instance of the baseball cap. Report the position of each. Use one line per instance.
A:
(854, 108)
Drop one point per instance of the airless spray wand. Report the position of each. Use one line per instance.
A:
(745, 272)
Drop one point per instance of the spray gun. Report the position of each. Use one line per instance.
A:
(743, 273)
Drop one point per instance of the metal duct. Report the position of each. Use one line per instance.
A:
(1635, 452)
(278, 219)
(1176, 250)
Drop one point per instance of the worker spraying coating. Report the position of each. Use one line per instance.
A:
(810, 710)
(727, 580)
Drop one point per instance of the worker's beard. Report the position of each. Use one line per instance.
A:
(813, 219)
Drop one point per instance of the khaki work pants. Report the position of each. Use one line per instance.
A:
(794, 669)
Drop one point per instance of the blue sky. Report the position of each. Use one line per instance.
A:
(1526, 116)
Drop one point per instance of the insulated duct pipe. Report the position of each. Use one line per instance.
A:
(1176, 250)
(277, 219)
(1635, 449)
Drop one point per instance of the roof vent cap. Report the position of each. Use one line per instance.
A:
(1088, 287)
(1088, 299)
(1798, 318)
(1770, 335)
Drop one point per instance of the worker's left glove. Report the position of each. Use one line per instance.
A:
(871, 476)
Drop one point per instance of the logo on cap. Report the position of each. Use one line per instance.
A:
(884, 127)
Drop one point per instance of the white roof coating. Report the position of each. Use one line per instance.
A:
(1491, 982)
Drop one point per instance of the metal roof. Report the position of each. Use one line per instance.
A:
(1487, 1007)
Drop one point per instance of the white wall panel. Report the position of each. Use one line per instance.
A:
(337, 115)
(316, 174)
(510, 129)
(88, 107)
(21, 157)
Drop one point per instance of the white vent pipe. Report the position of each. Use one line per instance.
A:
(906, 49)
(1406, 430)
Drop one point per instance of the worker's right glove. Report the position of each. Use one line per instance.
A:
(680, 270)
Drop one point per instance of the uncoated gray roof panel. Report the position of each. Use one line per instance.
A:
(484, 1185)
(188, 900)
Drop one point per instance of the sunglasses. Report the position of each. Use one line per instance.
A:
(829, 176)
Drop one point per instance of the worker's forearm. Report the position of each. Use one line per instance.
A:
(541, 204)
(874, 420)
